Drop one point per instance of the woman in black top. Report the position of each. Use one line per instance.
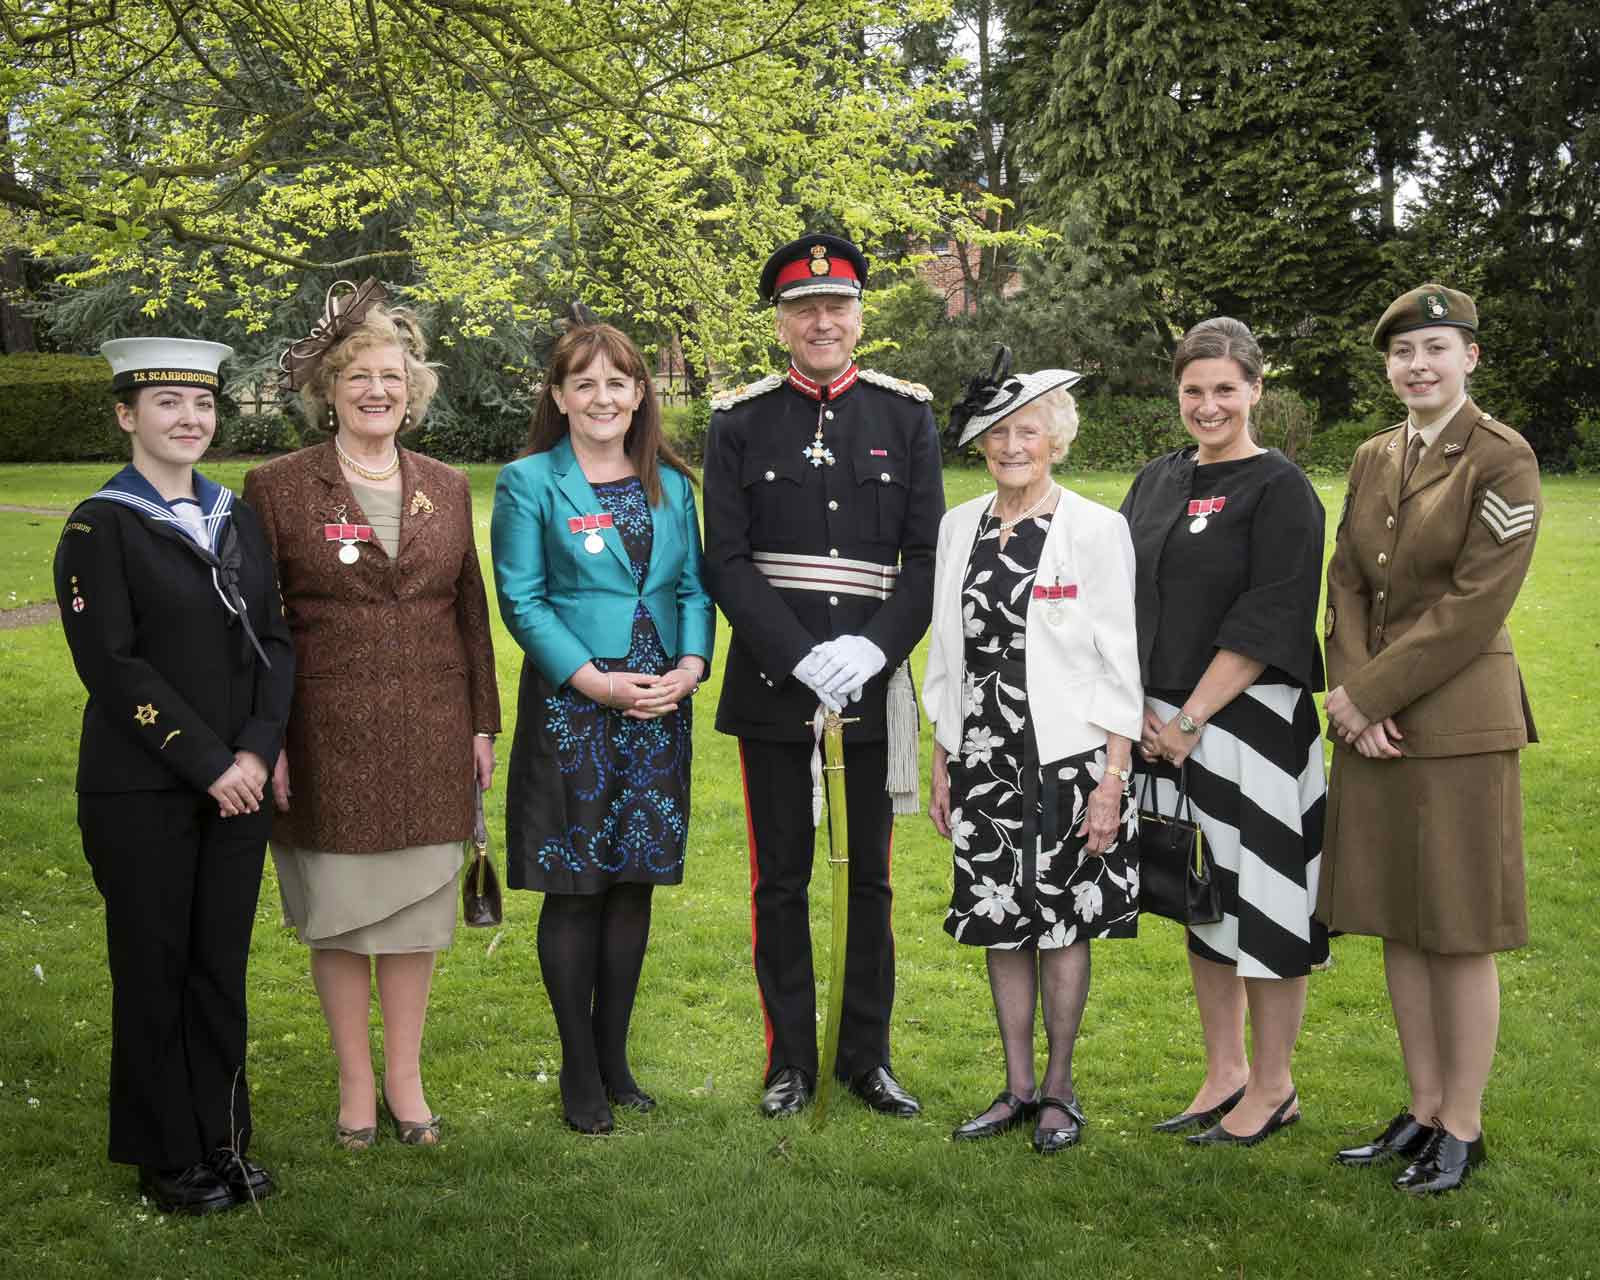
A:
(1227, 538)
(170, 606)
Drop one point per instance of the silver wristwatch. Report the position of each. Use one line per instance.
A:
(1188, 724)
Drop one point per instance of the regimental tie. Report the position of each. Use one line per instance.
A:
(1413, 456)
(817, 452)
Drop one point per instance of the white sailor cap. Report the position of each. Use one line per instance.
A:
(155, 362)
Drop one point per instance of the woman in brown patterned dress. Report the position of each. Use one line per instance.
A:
(395, 703)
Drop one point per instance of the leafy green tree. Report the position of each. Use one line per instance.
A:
(1229, 154)
(490, 154)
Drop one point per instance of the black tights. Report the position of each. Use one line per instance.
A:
(1022, 981)
(591, 949)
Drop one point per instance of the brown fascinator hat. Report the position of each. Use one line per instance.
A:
(346, 307)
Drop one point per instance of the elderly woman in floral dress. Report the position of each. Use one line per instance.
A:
(1033, 689)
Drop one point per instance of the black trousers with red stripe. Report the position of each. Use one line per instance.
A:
(180, 885)
(777, 790)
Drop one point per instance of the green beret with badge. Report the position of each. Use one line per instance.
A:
(1422, 308)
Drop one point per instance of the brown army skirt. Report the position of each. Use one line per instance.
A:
(1427, 852)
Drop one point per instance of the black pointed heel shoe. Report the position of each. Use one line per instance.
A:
(1186, 1120)
(1216, 1135)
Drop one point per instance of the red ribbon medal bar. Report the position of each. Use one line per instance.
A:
(1200, 508)
(347, 535)
(594, 544)
(1055, 595)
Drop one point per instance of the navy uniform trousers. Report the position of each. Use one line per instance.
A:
(180, 886)
(777, 791)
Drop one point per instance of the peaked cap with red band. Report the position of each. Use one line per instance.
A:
(814, 264)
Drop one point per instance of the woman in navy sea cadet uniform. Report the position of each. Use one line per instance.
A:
(823, 497)
(171, 610)
(1424, 838)
(597, 565)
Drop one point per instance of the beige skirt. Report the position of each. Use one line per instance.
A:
(1427, 852)
(371, 903)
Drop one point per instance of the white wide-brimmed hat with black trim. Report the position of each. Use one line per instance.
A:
(1000, 393)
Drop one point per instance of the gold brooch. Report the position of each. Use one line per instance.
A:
(421, 502)
(146, 714)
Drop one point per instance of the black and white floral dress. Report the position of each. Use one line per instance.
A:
(1022, 879)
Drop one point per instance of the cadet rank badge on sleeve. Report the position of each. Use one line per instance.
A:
(1506, 520)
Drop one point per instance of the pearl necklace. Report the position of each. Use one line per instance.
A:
(1006, 526)
(366, 473)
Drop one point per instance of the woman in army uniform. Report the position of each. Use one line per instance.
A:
(1423, 846)
(171, 610)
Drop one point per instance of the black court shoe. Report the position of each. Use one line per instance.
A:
(1186, 1120)
(1021, 1112)
(1216, 1135)
(1406, 1136)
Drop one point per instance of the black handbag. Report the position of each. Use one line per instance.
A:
(1177, 874)
(480, 887)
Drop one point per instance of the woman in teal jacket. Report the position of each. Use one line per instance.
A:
(597, 563)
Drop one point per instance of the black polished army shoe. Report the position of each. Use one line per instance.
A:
(878, 1088)
(788, 1093)
(245, 1179)
(1443, 1164)
(1405, 1137)
(194, 1190)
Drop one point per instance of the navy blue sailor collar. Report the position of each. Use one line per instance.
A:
(131, 489)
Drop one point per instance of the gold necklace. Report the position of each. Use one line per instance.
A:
(366, 473)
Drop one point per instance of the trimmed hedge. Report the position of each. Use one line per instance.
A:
(57, 408)
(258, 433)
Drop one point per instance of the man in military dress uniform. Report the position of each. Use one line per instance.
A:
(823, 496)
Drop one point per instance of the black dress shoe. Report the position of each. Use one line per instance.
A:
(1186, 1120)
(1443, 1164)
(246, 1180)
(1216, 1135)
(1405, 1136)
(634, 1099)
(878, 1088)
(194, 1190)
(787, 1094)
(1048, 1141)
(976, 1128)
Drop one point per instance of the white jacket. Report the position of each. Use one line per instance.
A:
(1083, 671)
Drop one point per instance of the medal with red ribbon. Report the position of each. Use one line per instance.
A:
(1055, 595)
(347, 535)
(1200, 508)
(591, 525)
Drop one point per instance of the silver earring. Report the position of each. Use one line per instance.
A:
(333, 421)
(405, 422)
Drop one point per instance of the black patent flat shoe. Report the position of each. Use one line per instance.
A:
(878, 1088)
(195, 1190)
(1406, 1136)
(1048, 1141)
(1443, 1165)
(634, 1099)
(1021, 1112)
(787, 1095)
(1186, 1120)
(1216, 1135)
(247, 1181)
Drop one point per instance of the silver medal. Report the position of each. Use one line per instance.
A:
(1197, 524)
(594, 544)
(349, 553)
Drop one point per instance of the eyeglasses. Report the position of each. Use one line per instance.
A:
(389, 381)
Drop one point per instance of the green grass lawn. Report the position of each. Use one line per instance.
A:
(704, 1186)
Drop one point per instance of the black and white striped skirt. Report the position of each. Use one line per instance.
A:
(1257, 785)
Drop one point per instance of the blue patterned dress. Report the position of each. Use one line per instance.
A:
(605, 798)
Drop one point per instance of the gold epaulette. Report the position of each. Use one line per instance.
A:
(911, 390)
